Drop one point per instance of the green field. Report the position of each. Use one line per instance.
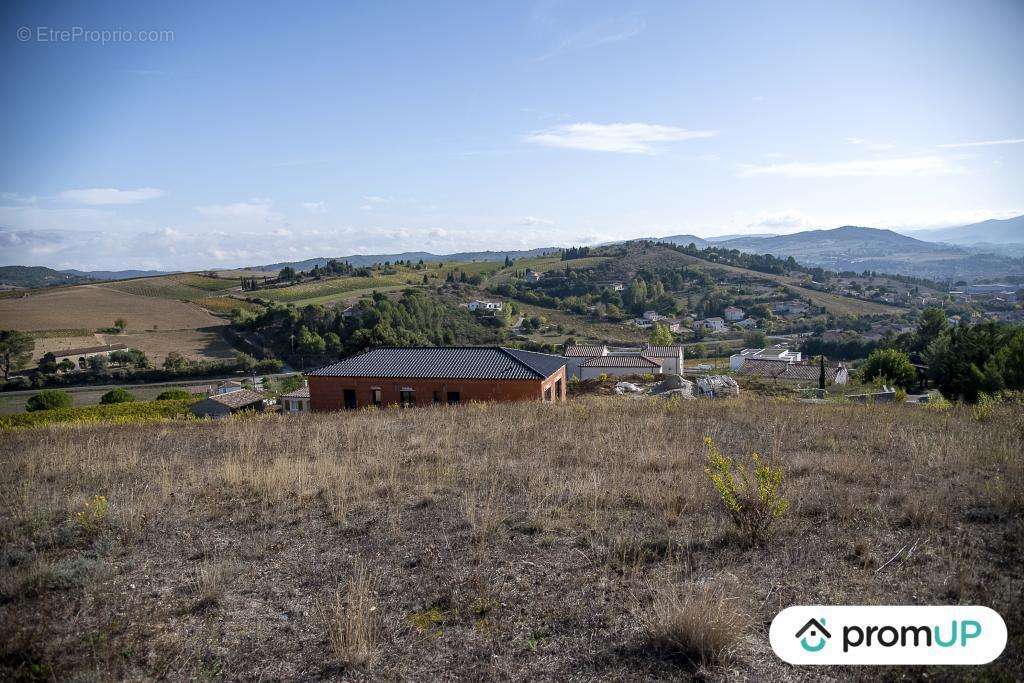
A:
(183, 287)
(322, 291)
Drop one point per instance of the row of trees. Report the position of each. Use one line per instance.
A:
(314, 334)
(964, 361)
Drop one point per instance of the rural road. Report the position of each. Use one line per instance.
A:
(89, 394)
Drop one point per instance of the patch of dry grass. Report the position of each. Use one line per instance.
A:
(704, 623)
(531, 528)
(350, 619)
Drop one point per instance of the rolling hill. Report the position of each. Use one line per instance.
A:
(360, 260)
(858, 249)
(992, 232)
(31, 277)
(38, 276)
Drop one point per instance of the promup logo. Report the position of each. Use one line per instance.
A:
(817, 630)
(888, 635)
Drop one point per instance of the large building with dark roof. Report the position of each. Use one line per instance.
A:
(419, 376)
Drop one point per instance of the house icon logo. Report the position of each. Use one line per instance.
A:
(815, 631)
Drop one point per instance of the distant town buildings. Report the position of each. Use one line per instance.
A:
(481, 305)
(733, 314)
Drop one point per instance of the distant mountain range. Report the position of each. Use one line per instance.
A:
(990, 249)
(1008, 231)
(858, 249)
(41, 276)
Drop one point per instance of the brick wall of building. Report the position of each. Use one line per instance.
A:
(328, 393)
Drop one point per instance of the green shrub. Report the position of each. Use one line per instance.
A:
(117, 395)
(48, 399)
(93, 516)
(120, 413)
(174, 395)
(751, 495)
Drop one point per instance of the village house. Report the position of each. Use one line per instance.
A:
(420, 376)
(746, 324)
(480, 305)
(222, 405)
(576, 355)
(793, 372)
(81, 356)
(295, 401)
(792, 307)
(778, 353)
(711, 324)
(669, 357)
(229, 386)
(533, 276)
(619, 366)
(733, 314)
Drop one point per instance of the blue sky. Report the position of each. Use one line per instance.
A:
(243, 133)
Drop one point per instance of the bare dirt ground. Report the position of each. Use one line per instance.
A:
(45, 345)
(519, 541)
(203, 344)
(95, 307)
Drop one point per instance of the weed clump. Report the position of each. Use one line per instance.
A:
(751, 494)
(697, 621)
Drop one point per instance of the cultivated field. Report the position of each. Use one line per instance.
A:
(321, 291)
(95, 307)
(203, 344)
(183, 286)
(527, 541)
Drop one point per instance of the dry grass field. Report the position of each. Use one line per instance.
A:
(580, 541)
(205, 344)
(47, 344)
(95, 307)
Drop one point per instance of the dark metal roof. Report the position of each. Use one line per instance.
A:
(446, 362)
(662, 351)
(634, 361)
(776, 369)
(584, 351)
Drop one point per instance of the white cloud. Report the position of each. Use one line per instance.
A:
(908, 166)
(533, 220)
(254, 209)
(871, 145)
(18, 198)
(610, 30)
(984, 143)
(98, 196)
(315, 207)
(780, 220)
(629, 138)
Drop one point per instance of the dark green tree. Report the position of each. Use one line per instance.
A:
(48, 399)
(118, 395)
(15, 350)
(891, 366)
